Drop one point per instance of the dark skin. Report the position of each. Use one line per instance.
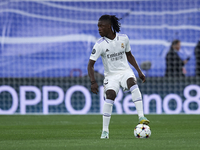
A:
(105, 29)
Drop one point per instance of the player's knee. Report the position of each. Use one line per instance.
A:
(110, 94)
(131, 82)
(136, 94)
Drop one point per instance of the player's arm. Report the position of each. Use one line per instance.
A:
(90, 68)
(96, 52)
(133, 62)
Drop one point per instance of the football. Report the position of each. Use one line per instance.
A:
(142, 131)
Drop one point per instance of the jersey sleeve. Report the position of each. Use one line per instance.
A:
(128, 47)
(96, 52)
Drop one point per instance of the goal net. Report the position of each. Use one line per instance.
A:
(46, 45)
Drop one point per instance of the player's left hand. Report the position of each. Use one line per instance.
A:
(94, 88)
(142, 76)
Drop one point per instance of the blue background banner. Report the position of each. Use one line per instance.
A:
(55, 39)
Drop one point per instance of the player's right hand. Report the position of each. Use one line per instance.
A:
(142, 77)
(94, 88)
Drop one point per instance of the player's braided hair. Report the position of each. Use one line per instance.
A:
(114, 21)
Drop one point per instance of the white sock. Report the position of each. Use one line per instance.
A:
(139, 108)
(137, 99)
(107, 110)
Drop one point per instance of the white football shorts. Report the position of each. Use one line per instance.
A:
(114, 82)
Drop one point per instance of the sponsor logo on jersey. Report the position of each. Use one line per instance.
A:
(122, 45)
(93, 51)
(115, 56)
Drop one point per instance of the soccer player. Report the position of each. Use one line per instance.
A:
(114, 49)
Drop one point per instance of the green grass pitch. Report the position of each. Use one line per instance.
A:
(80, 132)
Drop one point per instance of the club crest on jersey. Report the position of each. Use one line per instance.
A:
(122, 45)
(93, 51)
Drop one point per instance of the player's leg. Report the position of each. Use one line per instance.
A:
(107, 111)
(136, 96)
(107, 108)
(137, 99)
(111, 89)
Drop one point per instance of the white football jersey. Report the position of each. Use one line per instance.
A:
(113, 53)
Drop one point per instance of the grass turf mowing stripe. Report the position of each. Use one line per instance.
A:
(83, 132)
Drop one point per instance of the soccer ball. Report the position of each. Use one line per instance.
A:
(142, 131)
